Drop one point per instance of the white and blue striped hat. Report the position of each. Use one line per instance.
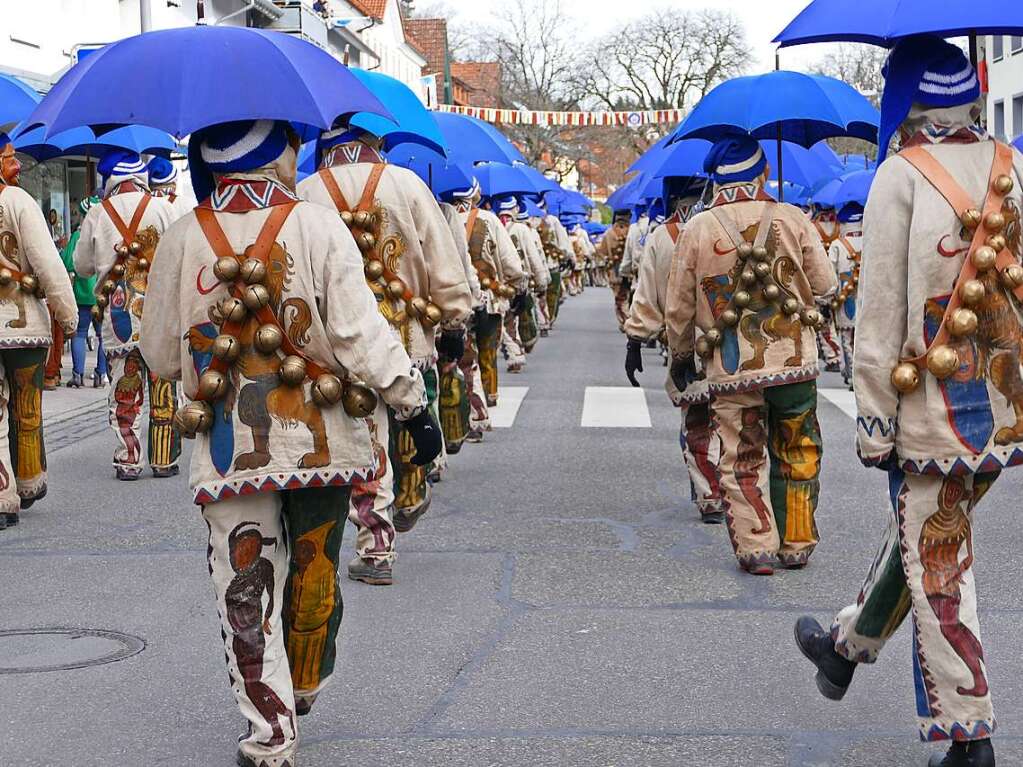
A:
(923, 70)
(231, 147)
(161, 172)
(120, 162)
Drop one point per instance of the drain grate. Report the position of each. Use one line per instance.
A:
(28, 651)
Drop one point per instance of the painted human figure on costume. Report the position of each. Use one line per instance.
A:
(128, 397)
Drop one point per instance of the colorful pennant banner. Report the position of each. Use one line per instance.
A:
(530, 117)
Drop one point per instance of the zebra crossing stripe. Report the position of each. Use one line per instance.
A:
(615, 407)
(509, 399)
(843, 399)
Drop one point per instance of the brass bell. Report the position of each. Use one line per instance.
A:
(102, 302)
(360, 219)
(212, 385)
(984, 258)
(835, 305)
(790, 306)
(366, 241)
(703, 347)
(215, 315)
(760, 253)
(346, 217)
(292, 370)
(226, 269)
(118, 270)
(194, 418)
(358, 401)
(905, 377)
(226, 347)
(108, 287)
(6, 276)
(748, 277)
(997, 243)
(811, 318)
(730, 317)
(135, 247)
(374, 269)
(942, 361)
(417, 306)
(744, 251)
(268, 338)
(326, 390)
(772, 293)
(29, 283)
(485, 283)
(143, 264)
(1013, 276)
(120, 250)
(432, 316)
(963, 322)
(972, 292)
(255, 297)
(971, 218)
(762, 270)
(396, 288)
(1003, 185)
(97, 312)
(994, 222)
(713, 337)
(741, 298)
(232, 309)
(253, 271)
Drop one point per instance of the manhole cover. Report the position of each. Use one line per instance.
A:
(25, 651)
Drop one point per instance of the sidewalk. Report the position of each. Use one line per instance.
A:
(65, 403)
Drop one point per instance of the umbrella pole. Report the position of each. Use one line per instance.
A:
(88, 176)
(974, 50)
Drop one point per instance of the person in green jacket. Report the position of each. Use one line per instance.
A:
(85, 297)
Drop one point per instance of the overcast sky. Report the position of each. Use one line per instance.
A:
(763, 20)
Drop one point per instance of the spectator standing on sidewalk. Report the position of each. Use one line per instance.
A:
(85, 297)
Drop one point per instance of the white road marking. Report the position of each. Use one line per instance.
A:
(615, 407)
(509, 399)
(843, 399)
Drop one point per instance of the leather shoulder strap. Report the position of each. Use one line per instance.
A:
(336, 195)
(848, 246)
(935, 173)
(470, 222)
(673, 230)
(221, 245)
(127, 231)
(370, 190)
(733, 231)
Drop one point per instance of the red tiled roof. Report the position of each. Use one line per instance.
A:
(430, 37)
(374, 9)
(483, 78)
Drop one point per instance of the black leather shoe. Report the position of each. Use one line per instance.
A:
(834, 673)
(970, 753)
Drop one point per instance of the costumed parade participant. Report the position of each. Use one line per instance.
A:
(413, 267)
(530, 251)
(557, 249)
(753, 303)
(30, 269)
(85, 298)
(938, 388)
(639, 227)
(700, 443)
(511, 342)
(532, 215)
(117, 244)
(825, 221)
(268, 323)
(609, 251)
(845, 255)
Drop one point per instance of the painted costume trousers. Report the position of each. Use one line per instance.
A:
(701, 448)
(471, 367)
(131, 381)
(847, 338)
(770, 469)
(925, 565)
(55, 356)
(543, 316)
(487, 335)
(553, 296)
(623, 300)
(831, 351)
(22, 450)
(273, 558)
(510, 341)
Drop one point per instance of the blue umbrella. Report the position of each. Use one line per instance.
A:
(802, 166)
(827, 194)
(472, 140)
(857, 162)
(827, 154)
(650, 156)
(1018, 143)
(540, 181)
(82, 141)
(17, 100)
(219, 74)
(439, 173)
(307, 160)
(855, 187)
(410, 122)
(594, 228)
(627, 196)
(789, 106)
(882, 22)
(497, 180)
(795, 194)
(683, 158)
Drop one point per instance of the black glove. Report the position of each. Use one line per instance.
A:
(426, 436)
(633, 360)
(451, 344)
(682, 372)
(518, 304)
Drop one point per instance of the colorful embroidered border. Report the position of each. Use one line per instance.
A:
(741, 193)
(211, 493)
(798, 375)
(957, 731)
(957, 467)
(241, 196)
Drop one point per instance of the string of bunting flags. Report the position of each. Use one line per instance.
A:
(632, 119)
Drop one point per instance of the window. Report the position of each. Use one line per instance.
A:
(999, 121)
(1017, 116)
(1016, 44)
(997, 48)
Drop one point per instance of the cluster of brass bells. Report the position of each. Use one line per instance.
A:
(848, 289)
(943, 360)
(28, 283)
(117, 272)
(502, 291)
(755, 270)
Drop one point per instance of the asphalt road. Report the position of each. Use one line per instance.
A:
(560, 605)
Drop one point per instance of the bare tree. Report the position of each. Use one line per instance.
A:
(859, 65)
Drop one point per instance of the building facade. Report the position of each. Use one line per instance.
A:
(1004, 63)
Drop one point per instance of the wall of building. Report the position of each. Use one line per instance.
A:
(1005, 80)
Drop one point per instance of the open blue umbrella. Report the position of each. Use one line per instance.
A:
(540, 181)
(472, 140)
(82, 141)
(219, 74)
(17, 100)
(827, 154)
(650, 156)
(788, 106)
(1018, 143)
(410, 121)
(438, 172)
(629, 194)
(802, 166)
(793, 193)
(855, 187)
(683, 158)
(497, 180)
(826, 195)
(883, 22)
